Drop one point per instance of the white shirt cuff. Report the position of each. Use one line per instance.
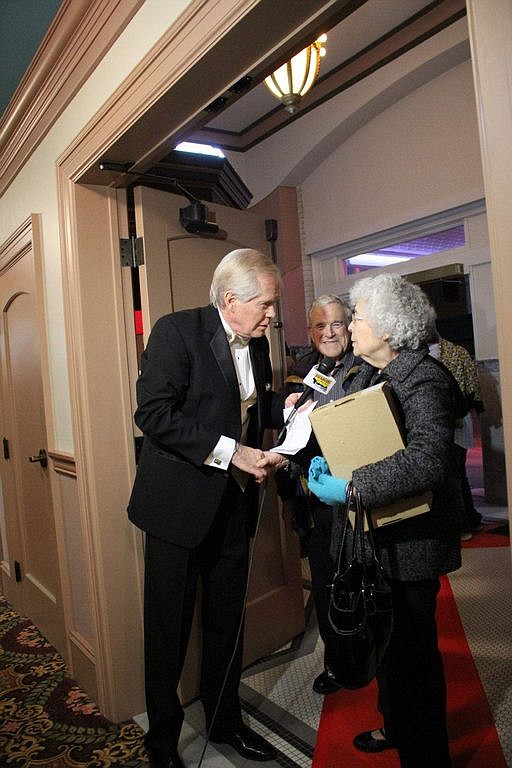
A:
(221, 455)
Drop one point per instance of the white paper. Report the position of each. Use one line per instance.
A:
(298, 431)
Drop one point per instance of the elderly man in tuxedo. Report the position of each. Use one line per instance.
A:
(204, 398)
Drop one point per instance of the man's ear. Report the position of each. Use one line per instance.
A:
(229, 300)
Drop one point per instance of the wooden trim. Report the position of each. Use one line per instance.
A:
(203, 25)
(76, 639)
(16, 245)
(80, 35)
(168, 92)
(63, 463)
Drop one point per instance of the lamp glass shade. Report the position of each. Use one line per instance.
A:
(294, 79)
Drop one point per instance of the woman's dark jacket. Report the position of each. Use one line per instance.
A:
(428, 545)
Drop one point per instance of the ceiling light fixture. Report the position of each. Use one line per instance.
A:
(295, 78)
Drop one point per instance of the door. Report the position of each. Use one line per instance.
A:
(30, 568)
(176, 274)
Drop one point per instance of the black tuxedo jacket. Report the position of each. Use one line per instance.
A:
(188, 396)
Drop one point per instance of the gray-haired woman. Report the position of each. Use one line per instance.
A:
(390, 324)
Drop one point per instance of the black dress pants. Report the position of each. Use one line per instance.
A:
(322, 569)
(412, 689)
(171, 577)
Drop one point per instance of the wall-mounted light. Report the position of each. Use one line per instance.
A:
(295, 78)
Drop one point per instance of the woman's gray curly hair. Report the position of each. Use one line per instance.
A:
(395, 308)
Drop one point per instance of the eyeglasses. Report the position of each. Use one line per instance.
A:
(356, 317)
(335, 327)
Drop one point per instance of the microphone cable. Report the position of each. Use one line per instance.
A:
(241, 622)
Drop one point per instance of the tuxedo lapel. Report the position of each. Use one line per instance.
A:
(258, 370)
(222, 354)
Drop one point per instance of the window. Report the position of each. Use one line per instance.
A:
(453, 237)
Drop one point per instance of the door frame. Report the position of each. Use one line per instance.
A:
(98, 372)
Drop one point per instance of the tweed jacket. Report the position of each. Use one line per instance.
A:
(427, 545)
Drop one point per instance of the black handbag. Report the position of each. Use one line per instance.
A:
(360, 606)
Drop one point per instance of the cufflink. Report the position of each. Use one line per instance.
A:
(268, 387)
(217, 461)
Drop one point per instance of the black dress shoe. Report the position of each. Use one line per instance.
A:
(246, 742)
(165, 761)
(365, 742)
(326, 683)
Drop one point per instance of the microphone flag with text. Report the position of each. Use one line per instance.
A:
(318, 379)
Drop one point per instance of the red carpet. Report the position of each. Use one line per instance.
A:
(474, 741)
(493, 535)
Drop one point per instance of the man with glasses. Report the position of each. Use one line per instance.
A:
(329, 319)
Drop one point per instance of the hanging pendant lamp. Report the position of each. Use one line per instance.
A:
(294, 79)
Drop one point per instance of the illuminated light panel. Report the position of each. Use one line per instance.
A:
(376, 260)
(199, 149)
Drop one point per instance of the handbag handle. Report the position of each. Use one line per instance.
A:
(364, 552)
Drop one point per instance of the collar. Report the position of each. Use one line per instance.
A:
(406, 361)
(233, 337)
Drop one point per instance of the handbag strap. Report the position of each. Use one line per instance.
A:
(364, 551)
(352, 503)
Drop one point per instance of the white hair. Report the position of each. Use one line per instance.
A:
(239, 272)
(395, 307)
(330, 298)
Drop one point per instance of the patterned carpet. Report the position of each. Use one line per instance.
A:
(46, 719)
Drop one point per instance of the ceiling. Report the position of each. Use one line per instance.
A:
(370, 34)
(362, 35)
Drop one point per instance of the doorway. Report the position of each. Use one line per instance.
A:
(451, 298)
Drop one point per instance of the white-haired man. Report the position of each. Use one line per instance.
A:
(204, 399)
(329, 318)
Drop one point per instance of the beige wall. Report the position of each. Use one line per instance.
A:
(35, 188)
(419, 157)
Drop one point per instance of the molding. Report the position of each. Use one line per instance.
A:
(76, 639)
(80, 35)
(16, 246)
(63, 463)
(412, 229)
(167, 94)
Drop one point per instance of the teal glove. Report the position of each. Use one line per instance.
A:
(331, 490)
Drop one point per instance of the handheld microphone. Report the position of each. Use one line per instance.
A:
(324, 368)
(319, 384)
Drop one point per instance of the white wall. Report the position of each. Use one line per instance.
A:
(419, 157)
(35, 188)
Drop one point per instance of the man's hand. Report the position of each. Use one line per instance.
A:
(248, 460)
(292, 399)
(273, 461)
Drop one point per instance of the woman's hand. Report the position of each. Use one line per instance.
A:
(331, 490)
